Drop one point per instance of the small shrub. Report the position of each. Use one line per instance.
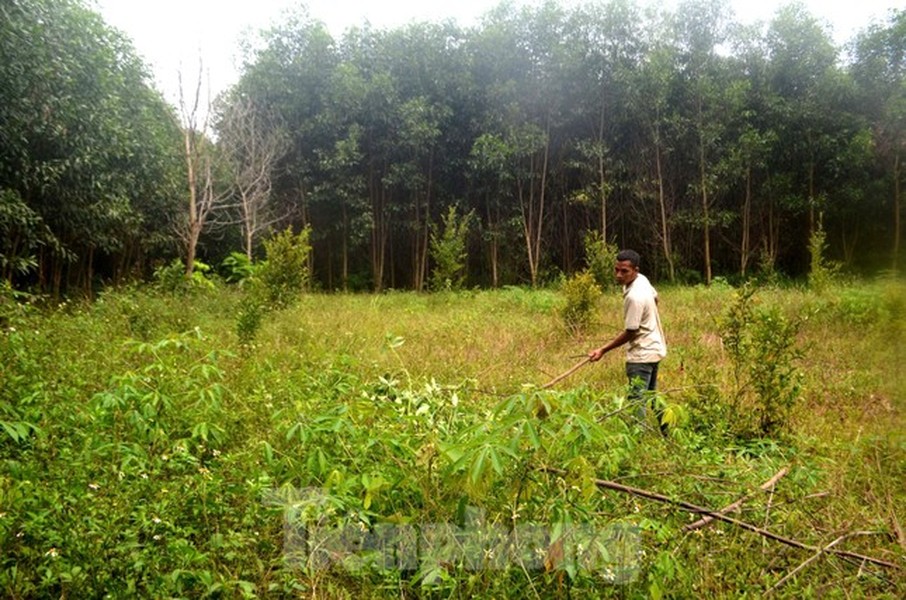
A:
(581, 293)
(249, 321)
(822, 272)
(600, 257)
(766, 273)
(172, 278)
(762, 348)
(237, 267)
(448, 251)
(284, 275)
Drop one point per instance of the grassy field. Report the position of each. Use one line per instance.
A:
(399, 446)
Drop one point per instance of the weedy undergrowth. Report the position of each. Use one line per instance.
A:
(166, 467)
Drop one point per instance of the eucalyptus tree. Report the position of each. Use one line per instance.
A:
(426, 65)
(701, 28)
(523, 71)
(377, 101)
(802, 70)
(751, 141)
(879, 69)
(652, 137)
(608, 46)
(340, 193)
(491, 185)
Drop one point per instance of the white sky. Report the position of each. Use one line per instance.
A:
(172, 34)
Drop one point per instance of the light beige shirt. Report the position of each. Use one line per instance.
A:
(640, 313)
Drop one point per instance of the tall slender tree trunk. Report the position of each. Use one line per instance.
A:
(426, 234)
(602, 182)
(703, 181)
(416, 243)
(746, 224)
(345, 249)
(662, 204)
(705, 213)
(811, 200)
(494, 241)
(378, 234)
(897, 214)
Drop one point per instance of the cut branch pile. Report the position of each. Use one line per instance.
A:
(720, 516)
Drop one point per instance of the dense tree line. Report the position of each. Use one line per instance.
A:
(89, 151)
(711, 147)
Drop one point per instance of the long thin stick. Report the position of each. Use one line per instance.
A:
(813, 558)
(721, 517)
(735, 506)
(566, 374)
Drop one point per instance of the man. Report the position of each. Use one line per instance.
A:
(641, 330)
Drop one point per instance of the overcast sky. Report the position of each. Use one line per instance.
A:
(173, 34)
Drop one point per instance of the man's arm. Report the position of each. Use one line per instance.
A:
(624, 337)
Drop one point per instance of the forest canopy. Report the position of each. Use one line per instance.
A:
(711, 147)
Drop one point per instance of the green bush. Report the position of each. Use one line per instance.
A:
(237, 267)
(822, 272)
(581, 294)
(761, 344)
(284, 275)
(172, 278)
(249, 321)
(448, 251)
(600, 257)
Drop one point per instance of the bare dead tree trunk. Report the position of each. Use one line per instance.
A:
(203, 200)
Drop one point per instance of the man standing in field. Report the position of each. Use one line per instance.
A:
(641, 331)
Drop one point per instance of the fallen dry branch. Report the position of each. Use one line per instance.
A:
(770, 483)
(566, 374)
(813, 558)
(611, 485)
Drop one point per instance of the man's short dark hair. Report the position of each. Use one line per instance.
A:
(631, 255)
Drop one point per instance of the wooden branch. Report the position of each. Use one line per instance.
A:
(566, 374)
(603, 483)
(813, 558)
(735, 506)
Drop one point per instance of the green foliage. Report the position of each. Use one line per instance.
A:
(581, 294)
(251, 316)
(284, 275)
(168, 468)
(761, 344)
(821, 271)
(172, 278)
(448, 250)
(600, 257)
(237, 267)
(22, 232)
